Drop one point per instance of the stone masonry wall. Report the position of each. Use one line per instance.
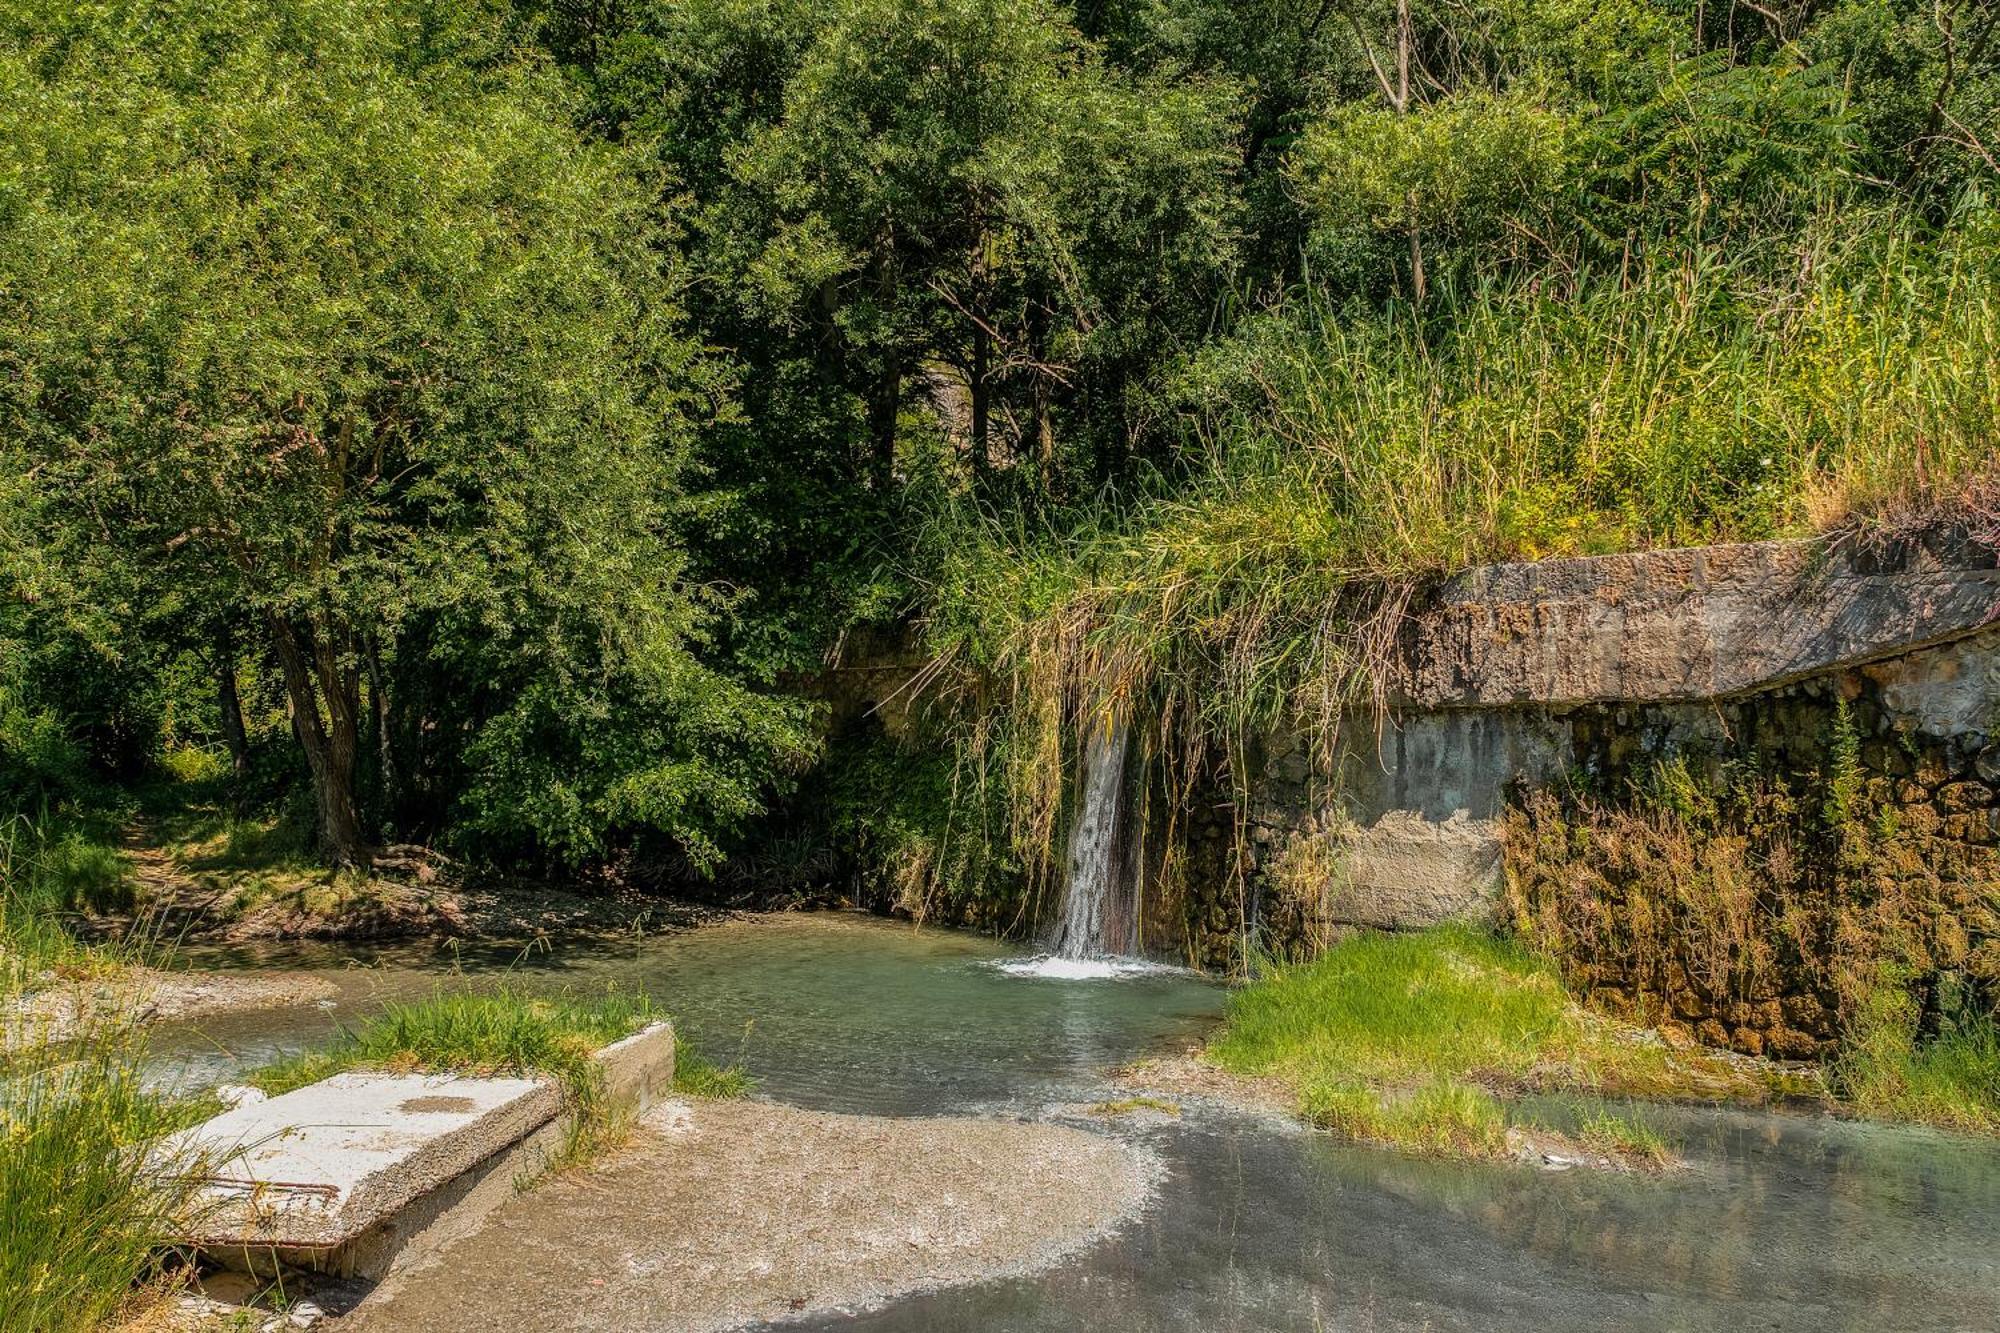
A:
(1589, 672)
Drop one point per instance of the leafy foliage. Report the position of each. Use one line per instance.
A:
(358, 346)
(500, 405)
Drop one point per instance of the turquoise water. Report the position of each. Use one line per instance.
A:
(1781, 1223)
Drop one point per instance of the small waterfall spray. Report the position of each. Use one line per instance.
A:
(1098, 915)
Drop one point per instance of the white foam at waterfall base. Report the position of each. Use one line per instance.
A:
(1052, 967)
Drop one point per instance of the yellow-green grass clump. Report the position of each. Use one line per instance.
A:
(1412, 1040)
(695, 1075)
(1887, 1072)
(86, 1201)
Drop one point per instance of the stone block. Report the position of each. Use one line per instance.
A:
(1965, 797)
(1987, 764)
(321, 1165)
(1689, 624)
(355, 1174)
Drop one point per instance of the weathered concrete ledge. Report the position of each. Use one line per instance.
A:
(1698, 623)
(364, 1171)
(1521, 673)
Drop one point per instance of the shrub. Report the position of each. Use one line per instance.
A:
(85, 1204)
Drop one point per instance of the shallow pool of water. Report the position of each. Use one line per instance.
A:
(1782, 1222)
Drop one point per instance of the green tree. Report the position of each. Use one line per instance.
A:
(322, 314)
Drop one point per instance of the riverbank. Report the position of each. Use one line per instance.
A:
(1429, 1042)
(1426, 1042)
(1256, 1223)
(217, 880)
(720, 1213)
(54, 1007)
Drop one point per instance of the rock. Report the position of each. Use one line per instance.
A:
(234, 1095)
(1965, 797)
(1987, 765)
(228, 1288)
(1968, 828)
(1683, 624)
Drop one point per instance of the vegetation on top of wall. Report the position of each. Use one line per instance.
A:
(1706, 399)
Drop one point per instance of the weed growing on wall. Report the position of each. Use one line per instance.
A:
(1802, 915)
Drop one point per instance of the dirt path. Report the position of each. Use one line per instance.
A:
(203, 896)
(57, 1011)
(726, 1212)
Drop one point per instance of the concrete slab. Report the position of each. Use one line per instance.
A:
(319, 1166)
(363, 1172)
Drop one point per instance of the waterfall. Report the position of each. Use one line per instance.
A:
(1098, 915)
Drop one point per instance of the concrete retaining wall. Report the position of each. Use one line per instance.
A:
(1518, 674)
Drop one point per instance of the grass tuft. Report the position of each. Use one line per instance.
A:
(1887, 1071)
(1409, 1039)
(1626, 1138)
(695, 1075)
(83, 1206)
(1441, 1118)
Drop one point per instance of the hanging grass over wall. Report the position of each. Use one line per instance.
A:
(1844, 381)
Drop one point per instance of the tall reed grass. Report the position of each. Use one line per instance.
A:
(86, 1203)
(1844, 382)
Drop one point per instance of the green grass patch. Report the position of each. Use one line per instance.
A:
(52, 867)
(489, 1033)
(1444, 1117)
(1887, 1071)
(695, 1075)
(1625, 1137)
(1411, 1040)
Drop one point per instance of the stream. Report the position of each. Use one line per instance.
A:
(1781, 1222)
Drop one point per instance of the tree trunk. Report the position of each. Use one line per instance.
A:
(1041, 424)
(982, 357)
(887, 398)
(882, 410)
(385, 736)
(314, 675)
(982, 400)
(1416, 264)
(234, 734)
